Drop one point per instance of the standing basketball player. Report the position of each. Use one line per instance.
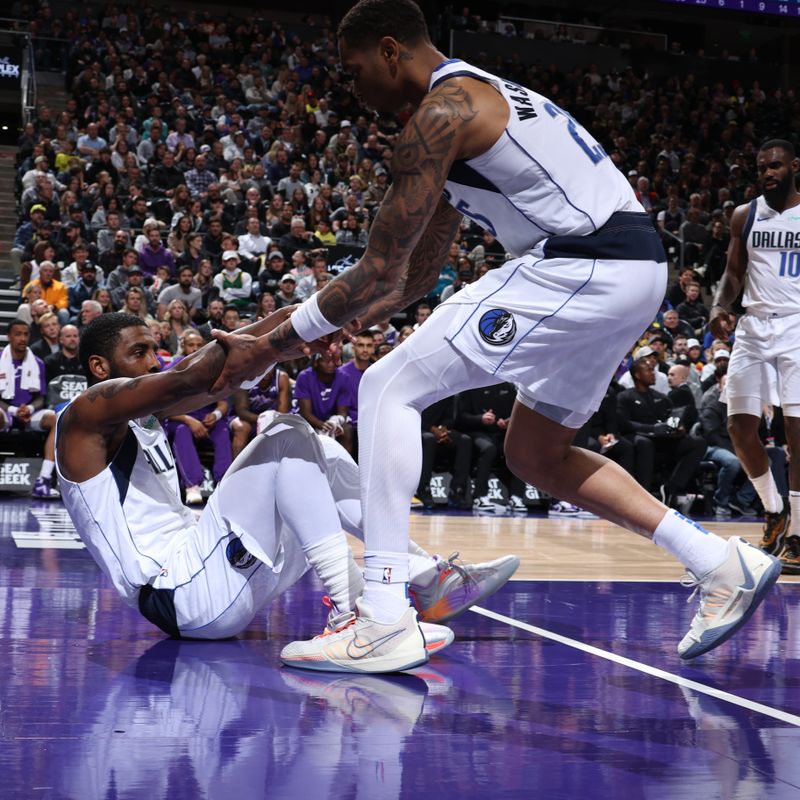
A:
(588, 276)
(272, 516)
(764, 258)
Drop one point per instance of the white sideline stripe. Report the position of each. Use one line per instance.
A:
(742, 702)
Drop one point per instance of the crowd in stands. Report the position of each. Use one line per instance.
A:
(206, 171)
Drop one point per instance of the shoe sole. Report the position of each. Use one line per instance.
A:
(776, 548)
(720, 635)
(434, 642)
(370, 666)
(790, 569)
(442, 611)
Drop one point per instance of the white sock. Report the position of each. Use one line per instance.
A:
(385, 602)
(697, 549)
(333, 562)
(768, 492)
(422, 566)
(46, 471)
(794, 504)
(386, 588)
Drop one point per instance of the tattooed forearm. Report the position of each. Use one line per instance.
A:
(422, 158)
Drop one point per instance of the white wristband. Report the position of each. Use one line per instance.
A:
(309, 323)
(217, 413)
(12, 411)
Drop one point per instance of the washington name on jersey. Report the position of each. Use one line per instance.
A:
(544, 176)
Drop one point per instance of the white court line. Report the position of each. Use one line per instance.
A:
(742, 702)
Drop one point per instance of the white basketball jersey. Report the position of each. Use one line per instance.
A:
(772, 280)
(545, 176)
(130, 516)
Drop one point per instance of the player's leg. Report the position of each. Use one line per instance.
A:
(392, 394)
(223, 454)
(240, 435)
(790, 558)
(441, 588)
(271, 516)
(187, 460)
(733, 574)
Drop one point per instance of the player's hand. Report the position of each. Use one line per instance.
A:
(24, 414)
(502, 424)
(245, 357)
(488, 417)
(721, 323)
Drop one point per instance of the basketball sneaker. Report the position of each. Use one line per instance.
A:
(485, 505)
(729, 594)
(563, 509)
(776, 526)
(455, 587)
(437, 637)
(362, 645)
(516, 505)
(43, 490)
(790, 557)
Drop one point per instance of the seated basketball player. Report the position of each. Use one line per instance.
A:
(282, 507)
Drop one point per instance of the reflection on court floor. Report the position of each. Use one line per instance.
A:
(95, 703)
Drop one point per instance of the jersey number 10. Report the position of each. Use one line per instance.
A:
(790, 264)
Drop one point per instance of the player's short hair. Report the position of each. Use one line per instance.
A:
(783, 144)
(101, 336)
(370, 20)
(18, 323)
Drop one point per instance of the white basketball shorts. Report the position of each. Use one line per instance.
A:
(559, 320)
(765, 365)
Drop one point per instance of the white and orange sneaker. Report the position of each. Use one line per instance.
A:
(455, 587)
(362, 644)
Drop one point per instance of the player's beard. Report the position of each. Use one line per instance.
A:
(778, 194)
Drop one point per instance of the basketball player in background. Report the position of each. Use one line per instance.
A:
(272, 516)
(588, 276)
(764, 260)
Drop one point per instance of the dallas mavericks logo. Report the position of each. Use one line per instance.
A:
(238, 556)
(497, 327)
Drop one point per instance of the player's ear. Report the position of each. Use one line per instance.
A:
(389, 49)
(99, 367)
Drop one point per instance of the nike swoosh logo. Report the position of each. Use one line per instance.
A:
(762, 219)
(369, 647)
(749, 582)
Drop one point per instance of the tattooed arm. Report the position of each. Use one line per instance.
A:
(396, 264)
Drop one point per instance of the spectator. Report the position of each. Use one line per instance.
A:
(714, 419)
(323, 396)
(287, 294)
(216, 308)
(644, 415)
(83, 289)
(484, 414)
(233, 284)
(53, 292)
(692, 309)
(48, 342)
(153, 254)
(273, 393)
(22, 397)
(363, 356)
(441, 442)
(183, 290)
(65, 361)
(253, 245)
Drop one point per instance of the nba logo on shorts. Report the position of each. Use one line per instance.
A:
(497, 327)
(387, 575)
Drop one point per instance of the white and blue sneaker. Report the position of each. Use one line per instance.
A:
(729, 595)
(561, 508)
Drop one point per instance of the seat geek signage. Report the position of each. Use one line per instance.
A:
(18, 474)
(9, 69)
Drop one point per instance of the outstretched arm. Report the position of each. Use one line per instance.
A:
(396, 264)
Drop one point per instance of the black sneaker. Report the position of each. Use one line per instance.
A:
(459, 499)
(743, 509)
(790, 557)
(776, 526)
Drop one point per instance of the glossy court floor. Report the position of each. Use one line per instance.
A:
(558, 689)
